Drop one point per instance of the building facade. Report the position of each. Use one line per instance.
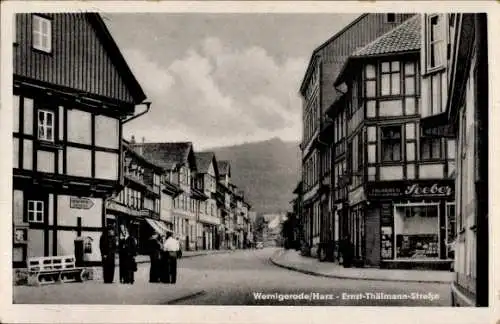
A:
(464, 117)
(207, 182)
(401, 187)
(72, 92)
(137, 205)
(320, 213)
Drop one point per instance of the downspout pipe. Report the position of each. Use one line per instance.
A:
(148, 107)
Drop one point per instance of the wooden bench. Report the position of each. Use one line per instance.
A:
(54, 269)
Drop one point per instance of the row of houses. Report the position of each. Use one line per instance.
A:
(74, 174)
(169, 187)
(394, 123)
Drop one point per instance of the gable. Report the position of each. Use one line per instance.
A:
(211, 169)
(84, 58)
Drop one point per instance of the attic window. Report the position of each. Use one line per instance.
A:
(390, 18)
(42, 33)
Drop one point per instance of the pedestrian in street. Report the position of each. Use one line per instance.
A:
(347, 251)
(128, 251)
(164, 266)
(107, 245)
(172, 247)
(155, 251)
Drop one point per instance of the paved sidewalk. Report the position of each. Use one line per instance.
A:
(185, 254)
(96, 292)
(292, 260)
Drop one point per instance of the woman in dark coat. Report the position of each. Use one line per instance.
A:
(155, 247)
(128, 251)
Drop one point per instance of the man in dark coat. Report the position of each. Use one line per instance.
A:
(107, 245)
(155, 256)
(347, 251)
(128, 251)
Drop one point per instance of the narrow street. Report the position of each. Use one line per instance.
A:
(234, 279)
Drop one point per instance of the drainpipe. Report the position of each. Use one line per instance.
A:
(148, 107)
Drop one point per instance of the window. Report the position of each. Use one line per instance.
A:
(410, 82)
(390, 79)
(370, 83)
(46, 125)
(391, 143)
(35, 211)
(430, 148)
(436, 46)
(42, 34)
(390, 18)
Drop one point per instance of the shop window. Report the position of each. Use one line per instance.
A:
(390, 82)
(391, 143)
(417, 231)
(35, 211)
(46, 125)
(451, 227)
(430, 148)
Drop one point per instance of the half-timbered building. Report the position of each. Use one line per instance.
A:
(401, 189)
(72, 92)
(317, 146)
(463, 115)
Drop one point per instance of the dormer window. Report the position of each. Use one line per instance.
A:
(42, 34)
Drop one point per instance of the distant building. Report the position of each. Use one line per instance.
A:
(206, 181)
(72, 92)
(179, 163)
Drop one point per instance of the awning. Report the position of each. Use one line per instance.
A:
(158, 226)
(437, 125)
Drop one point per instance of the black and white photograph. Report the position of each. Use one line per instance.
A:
(219, 157)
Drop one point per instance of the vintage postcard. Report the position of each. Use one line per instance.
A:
(237, 155)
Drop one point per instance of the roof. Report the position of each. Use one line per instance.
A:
(203, 160)
(404, 38)
(109, 43)
(224, 168)
(167, 155)
(134, 151)
(319, 48)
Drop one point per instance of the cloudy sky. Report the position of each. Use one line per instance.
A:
(220, 79)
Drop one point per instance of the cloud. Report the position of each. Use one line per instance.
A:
(219, 95)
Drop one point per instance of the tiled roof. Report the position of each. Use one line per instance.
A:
(203, 160)
(404, 38)
(224, 167)
(166, 155)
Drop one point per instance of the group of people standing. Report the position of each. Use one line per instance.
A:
(126, 245)
(164, 252)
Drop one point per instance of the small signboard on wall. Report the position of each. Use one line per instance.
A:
(80, 203)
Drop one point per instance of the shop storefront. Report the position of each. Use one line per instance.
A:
(416, 221)
(356, 223)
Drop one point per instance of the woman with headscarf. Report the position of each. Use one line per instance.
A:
(128, 251)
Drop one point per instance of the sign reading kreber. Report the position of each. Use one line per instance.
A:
(408, 189)
(80, 203)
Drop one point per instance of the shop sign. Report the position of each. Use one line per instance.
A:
(411, 189)
(80, 203)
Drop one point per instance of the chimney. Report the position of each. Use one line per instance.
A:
(143, 139)
(132, 140)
